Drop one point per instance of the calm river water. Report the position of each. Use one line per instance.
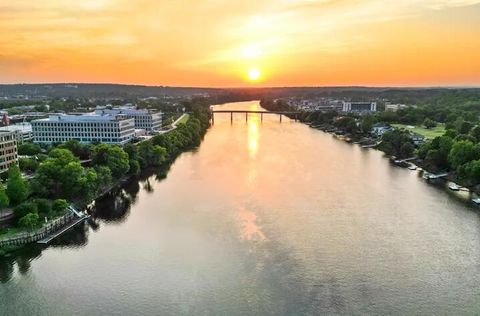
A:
(263, 219)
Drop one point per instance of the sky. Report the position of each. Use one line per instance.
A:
(227, 43)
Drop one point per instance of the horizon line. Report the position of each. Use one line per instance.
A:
(453, 86)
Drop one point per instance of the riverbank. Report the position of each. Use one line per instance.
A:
(186, 133)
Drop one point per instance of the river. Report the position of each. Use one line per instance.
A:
(264, 218)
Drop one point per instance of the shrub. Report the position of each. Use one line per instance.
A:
(59, 206)
(29, 221)
(24, 209)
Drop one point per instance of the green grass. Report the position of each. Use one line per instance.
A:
(184, 119)
(431, 133)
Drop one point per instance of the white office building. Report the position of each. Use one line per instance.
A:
(22, 131)
(111, 129)
(359, 106)
(144, 119)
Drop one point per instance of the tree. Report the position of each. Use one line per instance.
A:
(29, 221)
(59, 206)
(407, 150)
(80, 150)
(28, 164)
(463, 152)
(4, 201)
(29, 149)
(25, 208)
(17, 188)
(44, 207)
(475, 132)
(367, 123)
(150, 155)
(429, 123)
(470, 172)
(62, 175)
(114, 157)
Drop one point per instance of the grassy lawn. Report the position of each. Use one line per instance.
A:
(184, 119)
(431, 133)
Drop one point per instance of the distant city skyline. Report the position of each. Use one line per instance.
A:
(222, 43)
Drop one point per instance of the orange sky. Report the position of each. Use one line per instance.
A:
(218, 42)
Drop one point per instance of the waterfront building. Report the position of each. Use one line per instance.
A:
(111, 129)
(394, 107)
(379, 129)
(22, 131)
(417, 138)
(144, 119)
(8, 150)
(359, 106)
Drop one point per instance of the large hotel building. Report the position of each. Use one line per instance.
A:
(112, 129)
(8, 150)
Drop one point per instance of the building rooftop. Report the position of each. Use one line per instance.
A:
(81, 118)
(17, 127)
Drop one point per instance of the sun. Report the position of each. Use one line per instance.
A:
(254, 74)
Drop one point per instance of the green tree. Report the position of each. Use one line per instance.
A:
(4, 200)
(407, 149)
(28, 164)
(29, 221)
(429, 123)
(367, 123)
(475, 132)
(82, 151)
(25, 208)
(29, 149)
(114, 157)
(44, 207)
(59, 206)
(470, 172)
(463, 152)
(17, 187)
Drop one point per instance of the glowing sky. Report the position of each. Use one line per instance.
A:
(219, 42)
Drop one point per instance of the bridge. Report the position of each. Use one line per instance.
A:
(246, 112)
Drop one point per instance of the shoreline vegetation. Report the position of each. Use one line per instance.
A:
(78, 174)
(440, 135)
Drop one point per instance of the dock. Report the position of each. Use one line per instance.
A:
(49, 238)
(80, 217)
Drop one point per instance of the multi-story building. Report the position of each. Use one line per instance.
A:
(359, 106)
(111, 129)
(22, 131)
(144, 119)
(8, 150)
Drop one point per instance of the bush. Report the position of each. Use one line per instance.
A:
(24, 209)
(28, 164)
(29, 149)
(44, 206)
(29, 221)
(59, 206)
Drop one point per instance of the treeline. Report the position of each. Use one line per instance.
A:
(59, 173)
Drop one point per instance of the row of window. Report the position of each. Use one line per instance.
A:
(113, 140)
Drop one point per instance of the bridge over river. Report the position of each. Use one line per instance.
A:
(246, 112)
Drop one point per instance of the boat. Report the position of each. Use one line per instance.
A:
(453, 186)
(476, 201)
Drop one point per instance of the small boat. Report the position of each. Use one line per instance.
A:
(453, 186)
(412, 167)
(476, 201)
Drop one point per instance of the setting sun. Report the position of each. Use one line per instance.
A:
(254, 74)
